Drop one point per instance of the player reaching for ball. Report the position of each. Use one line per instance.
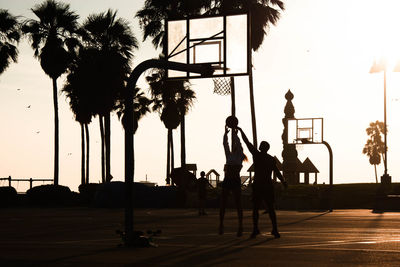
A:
(232, 181)
(263, 188)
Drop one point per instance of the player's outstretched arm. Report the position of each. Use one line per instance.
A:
(225, 141)
(249, 145)
(280, 176)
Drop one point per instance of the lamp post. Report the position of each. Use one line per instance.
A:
(378, 67)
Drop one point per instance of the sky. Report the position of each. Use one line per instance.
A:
(321, 50)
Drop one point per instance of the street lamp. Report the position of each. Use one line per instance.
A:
(378, 67)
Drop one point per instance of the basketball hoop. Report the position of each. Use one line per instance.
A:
(222, 86)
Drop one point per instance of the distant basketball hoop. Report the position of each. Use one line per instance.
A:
(222, 86)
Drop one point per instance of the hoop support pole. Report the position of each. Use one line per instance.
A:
(232, 82)
(203, 69)
(252, 107)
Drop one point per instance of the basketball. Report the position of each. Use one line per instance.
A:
(232, 122)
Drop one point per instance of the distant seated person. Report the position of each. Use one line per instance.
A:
(202, 185)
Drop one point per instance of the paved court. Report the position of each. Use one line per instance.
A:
(86, 237)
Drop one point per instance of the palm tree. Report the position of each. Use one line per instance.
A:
(154, 12)
(50, 35)
(115, 42)
(172, 100)
(79, 89)
(375, 147)
(83, 116)
(140, 108)
(9, 38)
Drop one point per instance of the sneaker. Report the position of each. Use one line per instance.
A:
(275, 233)
(255, 233)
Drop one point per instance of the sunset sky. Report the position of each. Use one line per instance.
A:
(321, 50)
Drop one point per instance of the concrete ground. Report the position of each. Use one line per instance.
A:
(87, 237)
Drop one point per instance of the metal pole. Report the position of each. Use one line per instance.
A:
(232, 81)
(204, 69)
(252, 106)
(330, 174)
(384, 118)
(168, 159)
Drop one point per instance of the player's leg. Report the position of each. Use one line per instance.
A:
(256, 206)
(224, 196)
(269, 201)
(237, 195)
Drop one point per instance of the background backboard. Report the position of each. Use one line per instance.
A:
(305, 131)
(222, 41)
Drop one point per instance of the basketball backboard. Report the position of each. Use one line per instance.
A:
(305, 131)
(223, 41)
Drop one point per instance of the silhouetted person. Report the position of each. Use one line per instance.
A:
(263, 188)
(232, 181)
(202, 185)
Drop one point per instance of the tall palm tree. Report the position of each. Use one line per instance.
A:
(9, 38)
(79, 89)
(154, 12)
(114, 40)
(375, 147)
(83, 116)
(50, 36)
(172, 99)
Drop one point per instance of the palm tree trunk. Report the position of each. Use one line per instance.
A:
(87, 152)
(82, 154)
(107, 134)
(376, 175)
(183, 144)
(171, 146)
(56, 132)
(103, 173)
(168, 158)
(172, 150)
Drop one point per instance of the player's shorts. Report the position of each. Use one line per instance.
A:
(263, 192)
(232, 177)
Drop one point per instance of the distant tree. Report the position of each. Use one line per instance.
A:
(115, 41)
(375, 147)
(9, 38)
(50, 36)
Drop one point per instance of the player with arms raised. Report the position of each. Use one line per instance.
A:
(263, 188)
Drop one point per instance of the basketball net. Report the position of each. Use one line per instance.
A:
(222, 86)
